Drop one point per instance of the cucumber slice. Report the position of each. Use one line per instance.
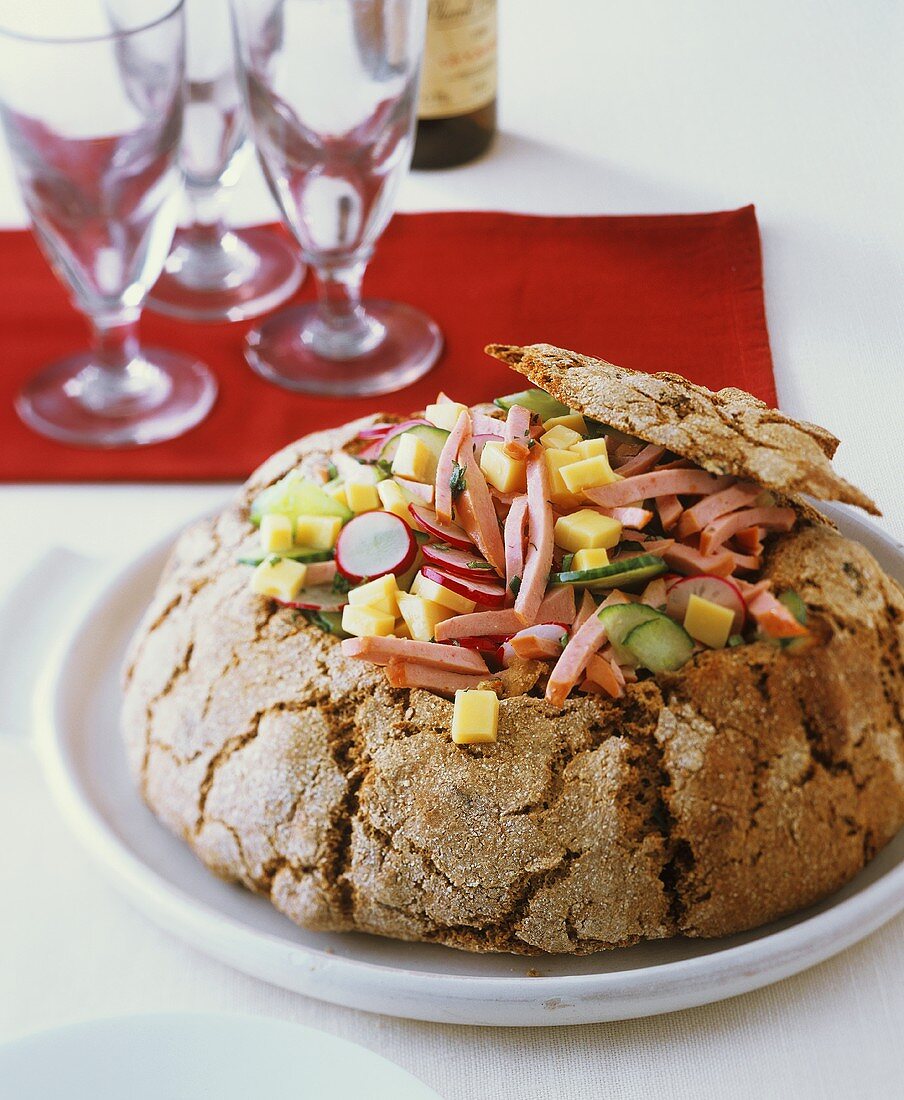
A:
(795, 605)
(296, 495)
(297, 553)
(660, 644)
(618, 574)
(620, 619)
(433, 438)
(538, 401)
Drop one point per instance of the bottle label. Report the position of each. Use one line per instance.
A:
(459, 72)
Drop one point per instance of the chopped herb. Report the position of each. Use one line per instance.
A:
(515, 586)
(563, 641)
(531, 443)
(567, 559)
(383, 466)
(631, 544)
(333, 470)
(421, 536)
(735, 640)
(457, 481)
(273, 559)
(480, 565)
(343, 584)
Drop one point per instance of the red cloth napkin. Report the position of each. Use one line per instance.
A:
(679, 292)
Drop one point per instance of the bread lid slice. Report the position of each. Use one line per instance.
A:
(726, 432)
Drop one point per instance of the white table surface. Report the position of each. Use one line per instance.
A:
(644, 107)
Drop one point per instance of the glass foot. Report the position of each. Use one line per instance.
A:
(245, 273)
(280, 350)
(160, 395)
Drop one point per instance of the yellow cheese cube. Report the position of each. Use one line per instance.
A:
(380, 594)
(573, 420)
(276, 534)
(413, 459)
(393, 500)
(337, 492)
(589, 473)
(590, 448)
(587, 530)
(590, 559)
(361, 498)
(508, 475)
(558, 490)
(475, 717)
(401, 629)
(708, 622)
(278, 577)
(421, 616)
(438, 593)
(560, 438)
(444, 414)
(318, 532)
(366, 622)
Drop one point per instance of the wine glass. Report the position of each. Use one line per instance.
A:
(214, 273)
(91, 103)
(331, 87)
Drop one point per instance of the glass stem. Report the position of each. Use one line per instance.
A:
(115, 339)
(343, 329)
(208, 214)
(118, 381)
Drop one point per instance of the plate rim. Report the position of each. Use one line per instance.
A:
(397, 990)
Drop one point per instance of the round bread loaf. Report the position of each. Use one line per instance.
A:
(745, 786)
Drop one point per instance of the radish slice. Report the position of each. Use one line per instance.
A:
(448, 532)
(717, 590)
(460, 562)
(488, 644)
(373, 452)
(489, 595)
(374, 543)
(547, 632)
(319, 597)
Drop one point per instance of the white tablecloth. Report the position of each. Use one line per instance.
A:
(640, 107)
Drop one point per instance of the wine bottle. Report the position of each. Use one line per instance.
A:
(457, 107)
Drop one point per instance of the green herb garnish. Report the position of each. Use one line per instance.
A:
(457, 481)
(341, 585)
(480, 565)
(515, 586)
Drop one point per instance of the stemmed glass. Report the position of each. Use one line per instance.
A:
(331, 87)
(215, 273)
(91, 103)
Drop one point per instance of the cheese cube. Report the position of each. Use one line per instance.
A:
(401, 629)
(380, 594)
(337, 492)
(587, 530)
(590, 448)
(445, 414)
(475, 717)
(278, 577)
(421, 616)
(276, 534)
(508, 475)
(393, 500)
(589, 473)
(573, 420)
(361, 498)
(560, 437)
(318, 532)
(413, 459)
(558, 490)
(366, 622)
(590, 559)
(708, 622)
(438, 593)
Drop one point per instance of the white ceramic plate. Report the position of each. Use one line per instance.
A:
(77, 707)
(186, 1057)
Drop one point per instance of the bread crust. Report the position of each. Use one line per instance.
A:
(747, 785)
(725, 432)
